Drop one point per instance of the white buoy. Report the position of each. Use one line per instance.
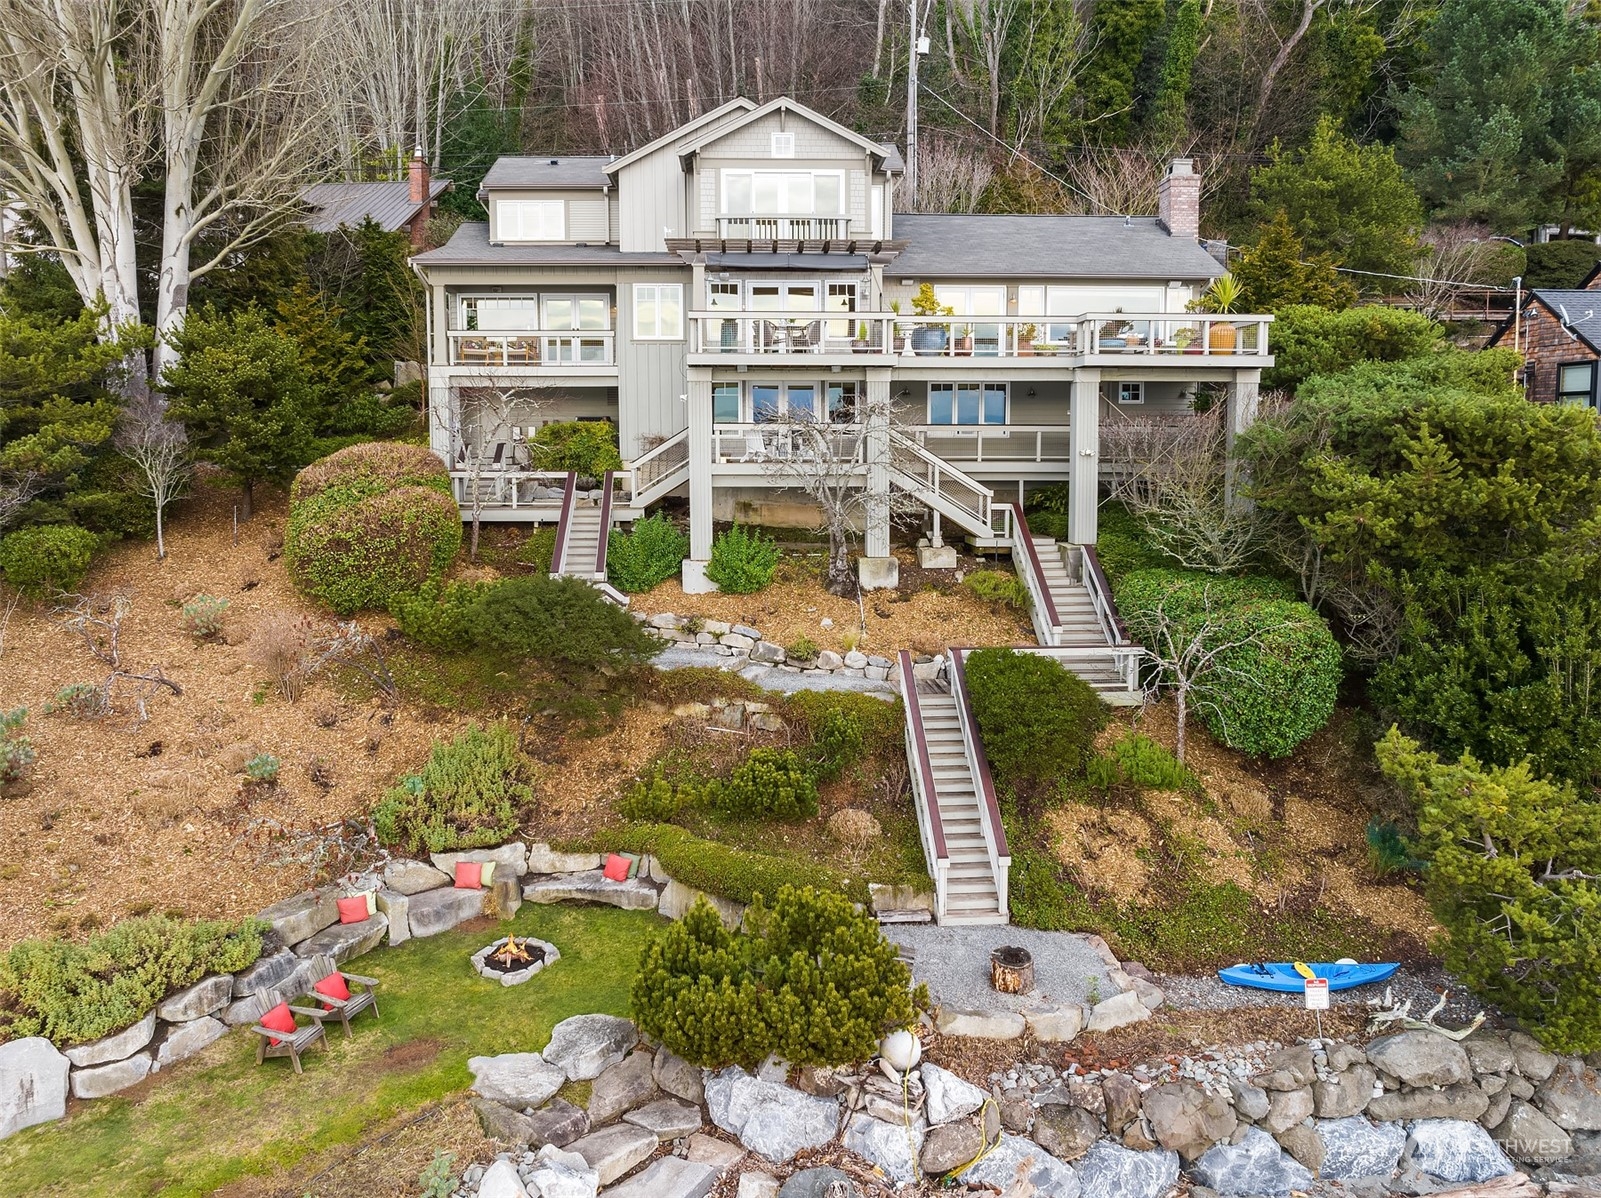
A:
(901, 1050)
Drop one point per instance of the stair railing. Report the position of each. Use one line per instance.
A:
(568, 498)
(989, 808)
(1026, 561)
(925, 799)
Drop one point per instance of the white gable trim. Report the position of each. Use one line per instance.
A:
(782, 104)
(666, 139)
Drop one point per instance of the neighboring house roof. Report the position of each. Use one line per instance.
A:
(1104, 247)
(1583, 313)
(785, 104)
(389, 204)
(534, 173)
(470, 246)
(738, 104)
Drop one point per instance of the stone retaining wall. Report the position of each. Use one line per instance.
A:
(731, 646)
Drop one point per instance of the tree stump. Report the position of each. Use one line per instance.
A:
(1012, 970)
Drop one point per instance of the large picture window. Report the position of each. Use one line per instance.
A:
(783, 193)
(725, 403)
(967, 403)
(532, 220)
(658, 311)
(1576, 384)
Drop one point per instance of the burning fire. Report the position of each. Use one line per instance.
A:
(512, 953)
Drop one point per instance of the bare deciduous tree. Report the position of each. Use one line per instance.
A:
(951, 176)
(96, 620)
(159, 451)
(1173, 474)
(485, 415)
(1459, 259)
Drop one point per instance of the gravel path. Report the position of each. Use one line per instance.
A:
(955, 962)
(767, 677)
(1422, 985)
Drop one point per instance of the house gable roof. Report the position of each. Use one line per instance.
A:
(739, 103)
(529, 173)
(785, 104)
(389, 204)
(949, 246)
(1583, 312)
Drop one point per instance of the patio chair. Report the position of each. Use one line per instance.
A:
(755, 448)
(276, 1042)
(500, 456)
(346, 1009)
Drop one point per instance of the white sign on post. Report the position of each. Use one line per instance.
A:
(1317, 994)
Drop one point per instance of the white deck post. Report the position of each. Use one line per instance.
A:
(1084, 458)
(700, 481)
(876, 567)
(1243, 394)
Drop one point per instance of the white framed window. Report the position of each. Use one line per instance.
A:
(783, 145)
(1129, 393)
(658, 311)
(531, 220)
(725, 403)
(967, 403)
(783, 193)
(499, 313)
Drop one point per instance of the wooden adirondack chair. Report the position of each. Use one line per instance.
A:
(345, 1009)
(291, 1044)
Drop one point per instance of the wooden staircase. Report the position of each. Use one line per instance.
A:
(971, 893)
(1076, 621)
(581, 537)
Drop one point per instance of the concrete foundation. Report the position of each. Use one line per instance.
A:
(875, 573)
(695, 581)
(936, 557)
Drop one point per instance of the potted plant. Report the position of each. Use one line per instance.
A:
(860, 343)
(930, 338)
(964, 341)
(1184, 340)
(1046, 349)
(1025, 340)
(900, 329)
(1222, 298)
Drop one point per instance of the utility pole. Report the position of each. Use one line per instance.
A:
(918, 47)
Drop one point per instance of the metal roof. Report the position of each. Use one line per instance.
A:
(389, 204)
(1583, 312)
(1083, 247)
(548, 172)
(470, 246)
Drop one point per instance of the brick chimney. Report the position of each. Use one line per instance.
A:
(1178, 200)
(420, 180)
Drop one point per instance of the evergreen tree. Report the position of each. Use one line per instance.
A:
(1277, 271)
(1169, 111)
(1121, 30)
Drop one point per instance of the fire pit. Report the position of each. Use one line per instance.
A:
(512, 959)
(1012, 969)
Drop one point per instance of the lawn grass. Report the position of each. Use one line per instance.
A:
(218, 1117)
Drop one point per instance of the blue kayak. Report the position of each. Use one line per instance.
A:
(1281, 975)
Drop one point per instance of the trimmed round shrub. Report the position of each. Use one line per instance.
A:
(372, 467)
(1037, 719)
(649, 553)
(362, 553)
(41, 561)
(586, 447)
(742, 562)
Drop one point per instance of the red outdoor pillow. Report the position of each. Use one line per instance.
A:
(616, 867)
(279, 1019)
(334, 986)
(353, 909)
(469, 875)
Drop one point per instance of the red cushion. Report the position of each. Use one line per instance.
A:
(334, 986)
(353, 909)
(469, 875)
(279, 1019)
(616, 867)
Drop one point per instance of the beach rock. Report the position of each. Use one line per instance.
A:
(1421, 1059)
(1057, 1025)
(542, 859)
(613, 1151)
(413, 877)
(980, 1025)
(1345, 1094)
(772, 1120)
(268, 970)
(512, 857)
(1015, 1160)
(115, 1047)
(346, 941)
(1118, 1011)
(1452, 1102)
(824, 1181)
(625, 1085)
(436, 911)
(719, 1154)
(558, 1122)
(892, 1147)
(1455, 1151)
(500, 1122)
(670, 1177)
(1287, 1069)
(1188, 1120)
(757, 1185)
(1286, 1108)
(669, 1118)
(1109, 1170)
(33, 1084)
(1302, 1142)
(1342, 1055)
(99, 1080)
(1534, 1062)
(1250, 1102)
(500, 1180)
(631, 894)
(1256, 1167)
(949, 1145)
(1066, 1132)
(184, 1040)
(946, 1096)
(561, 1174)
(206, 996)
(1122, 1101)
(396, 908)
(1356, 1148)
(1527, 1135)
(518, 1079)
(678, 1077)
(1489, 1053)
(584, 1046)
(1570, 1096)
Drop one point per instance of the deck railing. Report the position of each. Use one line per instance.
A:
(932, 478)
(780, 333)
(656, 471)
(989, 808)
(930, 825)
(550, 349)
(1026, 561)
(784, 228)
(994, 442)
(786, 440)
(507, 488)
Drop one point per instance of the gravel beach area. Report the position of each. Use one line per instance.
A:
(955, 962)
(1423, 986)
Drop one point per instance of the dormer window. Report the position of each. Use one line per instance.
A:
(531, 220)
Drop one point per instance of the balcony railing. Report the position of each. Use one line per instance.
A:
(1017, 337)
(555, 349)
(784, 228)
(994, 442)
(785, 441)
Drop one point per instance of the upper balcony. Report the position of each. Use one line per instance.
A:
(784, 228)
(535, 352)
(952, 342)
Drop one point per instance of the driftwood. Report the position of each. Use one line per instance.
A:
(1513, 1185)
(1588, 1187)
(1387, 1012)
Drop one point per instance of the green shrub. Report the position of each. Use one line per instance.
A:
(356, 552)
(880, 725)
(1123, 545)
(732, 873)
(80, 700)
(74, 993)
(1137, 760)
(1309, 340)
(586, 447)
(16, 748)
(469, 795)
(562, 623)
(1388, 850)
(1562, 265)
(1272, 691)
(1513, 862)
(837, 744)
(650, 552)
(202, 616)
(655, 801)
(539, 550)
(1048, 524)
(371, 468)
(1037, 720)
(742, 563)
(263, 769)
(802, 648)
(41, 562)
(813, 980)
(438, 616)
(998, 587)
(768, 784)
